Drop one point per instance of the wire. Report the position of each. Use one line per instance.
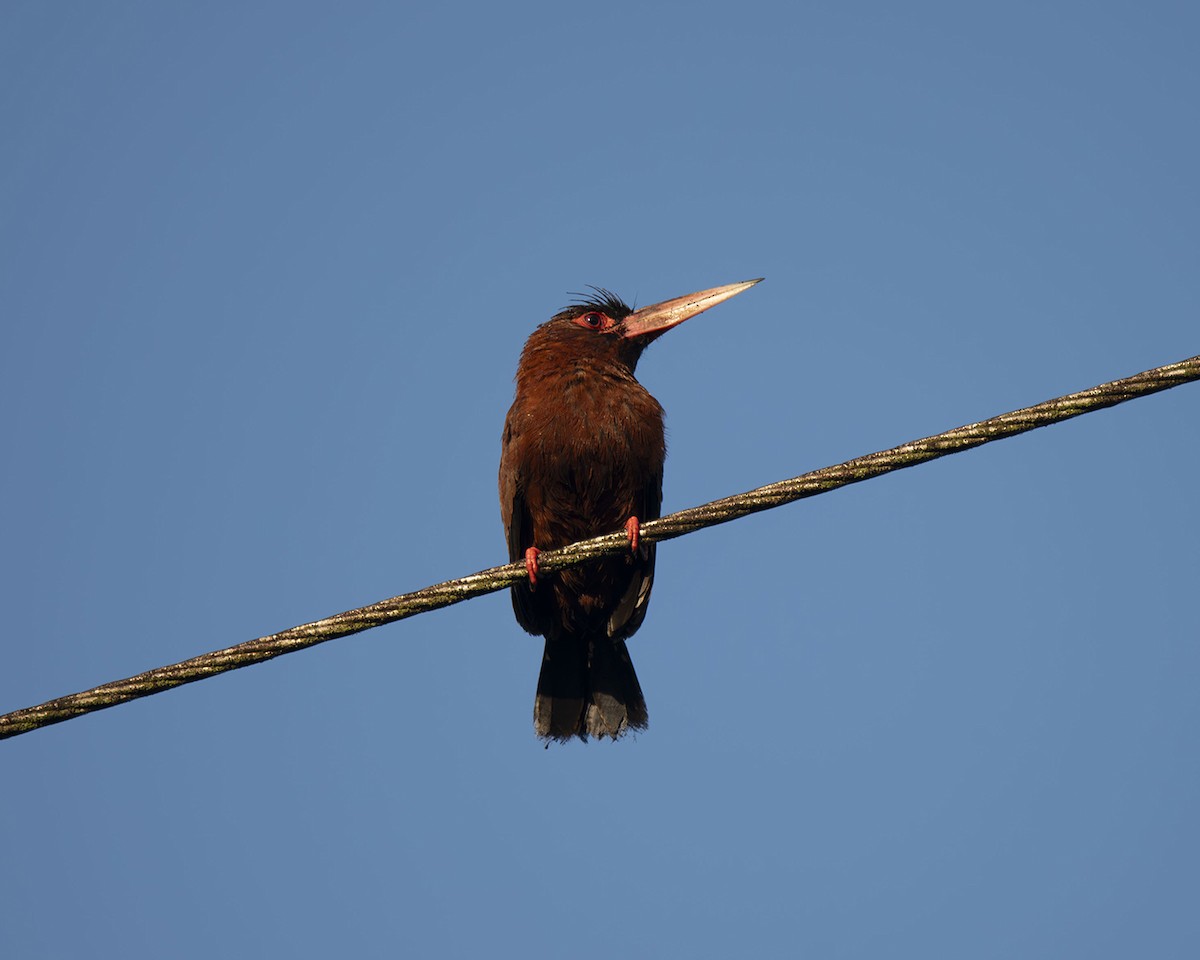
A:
(665, 528)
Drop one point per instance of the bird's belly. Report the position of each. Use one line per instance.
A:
(582, 500)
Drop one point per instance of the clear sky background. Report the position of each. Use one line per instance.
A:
(265, 272)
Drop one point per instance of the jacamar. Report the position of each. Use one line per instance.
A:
(583, 454)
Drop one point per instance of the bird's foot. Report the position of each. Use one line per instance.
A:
(531, 566)
(633, 530)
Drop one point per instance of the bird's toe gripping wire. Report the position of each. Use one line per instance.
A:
(531, 566)
(633, 530)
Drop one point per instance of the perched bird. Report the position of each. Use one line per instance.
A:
(583, 455)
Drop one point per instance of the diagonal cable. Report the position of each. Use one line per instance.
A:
(665, 528)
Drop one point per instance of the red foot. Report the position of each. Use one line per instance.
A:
(531, 566)
(633, 530)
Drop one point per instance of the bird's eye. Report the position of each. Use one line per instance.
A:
(594, 321)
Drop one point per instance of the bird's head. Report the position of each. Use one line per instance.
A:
(601, 328)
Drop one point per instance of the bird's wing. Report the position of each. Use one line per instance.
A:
(526, 602)
(528, 606)
(631, 611)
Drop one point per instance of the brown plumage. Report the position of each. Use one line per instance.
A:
(583, 454)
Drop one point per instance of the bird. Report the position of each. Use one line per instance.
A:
(582, 454)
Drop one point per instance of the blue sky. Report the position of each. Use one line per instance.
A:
(265, 272)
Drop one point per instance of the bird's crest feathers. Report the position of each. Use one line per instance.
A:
(600, 299)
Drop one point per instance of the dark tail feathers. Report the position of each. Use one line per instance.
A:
(587, 688)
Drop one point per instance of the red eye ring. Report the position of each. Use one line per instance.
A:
(594, 320)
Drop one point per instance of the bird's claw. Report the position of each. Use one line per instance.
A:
(531, 566)
(633, 530)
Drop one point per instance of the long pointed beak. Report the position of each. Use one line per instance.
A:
(657, 318)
